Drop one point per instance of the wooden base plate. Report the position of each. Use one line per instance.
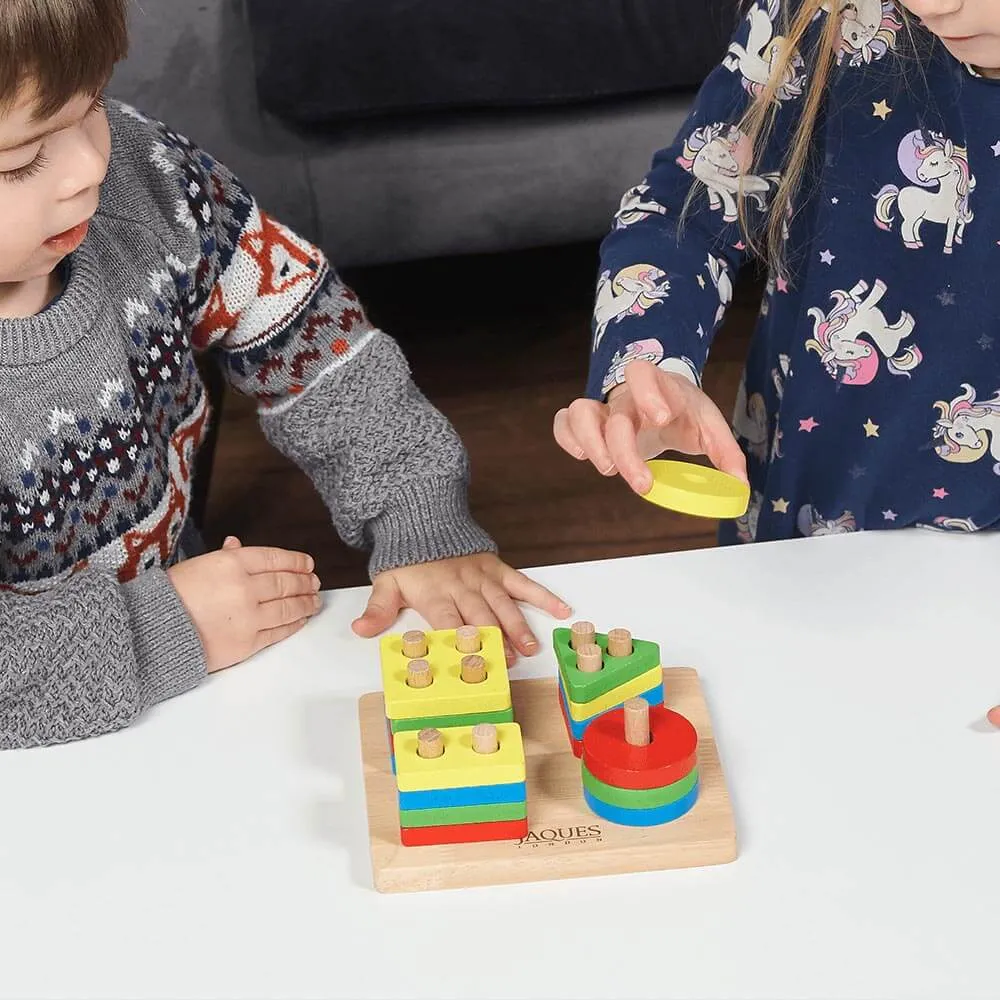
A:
(565, 839)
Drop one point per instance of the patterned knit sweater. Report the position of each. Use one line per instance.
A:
(104, 411)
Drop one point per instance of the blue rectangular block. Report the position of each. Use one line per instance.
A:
(654, 696)
(449, 798)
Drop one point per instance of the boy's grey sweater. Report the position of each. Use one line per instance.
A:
(103, 409)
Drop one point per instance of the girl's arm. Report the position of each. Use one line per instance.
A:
(668, 268)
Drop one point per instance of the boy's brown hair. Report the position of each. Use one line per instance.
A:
(62, 48)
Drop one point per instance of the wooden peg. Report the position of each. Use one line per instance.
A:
(414, 644)
(484, 738)
(637, 722)
(467, 639)
(619, 642)
(418, 674)
(430, 744)
(473, 669)
(582, 634)
(589, 658)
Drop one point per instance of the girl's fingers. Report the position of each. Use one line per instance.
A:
(563, 433)
(623, 446)
(717, 440)
(657, 399)
(586, 420)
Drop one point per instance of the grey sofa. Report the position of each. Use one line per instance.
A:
(391, 188)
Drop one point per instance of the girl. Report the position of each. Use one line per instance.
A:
(856, 145)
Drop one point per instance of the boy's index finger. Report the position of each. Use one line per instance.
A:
(266, 559)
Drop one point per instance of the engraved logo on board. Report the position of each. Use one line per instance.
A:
(560, 836)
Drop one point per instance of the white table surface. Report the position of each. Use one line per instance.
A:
(219, 848)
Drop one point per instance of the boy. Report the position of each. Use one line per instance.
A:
(124, 250)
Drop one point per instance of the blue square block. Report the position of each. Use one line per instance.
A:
(450, 798)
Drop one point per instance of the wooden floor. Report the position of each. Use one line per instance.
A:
(498, 351)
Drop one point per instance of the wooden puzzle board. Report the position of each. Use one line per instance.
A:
(565, 839)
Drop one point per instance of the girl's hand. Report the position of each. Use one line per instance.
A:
(654, 411)
(471, 590)
(242, 600)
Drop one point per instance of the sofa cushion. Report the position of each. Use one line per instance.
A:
(320, 61)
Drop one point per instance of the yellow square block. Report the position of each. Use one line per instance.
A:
(448, 694)
(460, 766)
(581, 711)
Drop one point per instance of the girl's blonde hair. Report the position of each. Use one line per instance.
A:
(59, 48)
(758, 122)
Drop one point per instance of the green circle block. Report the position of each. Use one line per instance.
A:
(639, 798)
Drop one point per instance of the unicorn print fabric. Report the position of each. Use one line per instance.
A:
(871, 396)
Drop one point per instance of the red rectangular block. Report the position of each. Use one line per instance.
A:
(463, 833)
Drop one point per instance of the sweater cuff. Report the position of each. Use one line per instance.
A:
(168, 651)
(427, 521)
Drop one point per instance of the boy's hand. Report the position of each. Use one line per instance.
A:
(654, 411)
(471, 590)
(244, 599)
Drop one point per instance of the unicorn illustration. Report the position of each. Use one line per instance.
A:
(964, 524)
(651, 351)
(635, 207)
(868, 29)
(719, 270)
(855, 314)
(929, 160)
(750, 421)
(746, 525)
(719, 156)
(812, 524)
(633, 292)
(756, 60)
(966, 426)
(781, 374)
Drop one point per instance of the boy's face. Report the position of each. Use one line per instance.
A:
(970, 29)
(50, 172)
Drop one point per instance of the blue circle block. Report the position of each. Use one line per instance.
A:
(642, 817)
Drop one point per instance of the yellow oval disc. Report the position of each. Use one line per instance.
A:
(697, 490)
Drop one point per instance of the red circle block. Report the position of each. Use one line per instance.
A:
(670, 756)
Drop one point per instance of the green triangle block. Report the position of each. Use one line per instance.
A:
(617, 670)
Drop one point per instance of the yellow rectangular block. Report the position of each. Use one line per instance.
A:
(448, 694)
(460, 766)
(579, 712)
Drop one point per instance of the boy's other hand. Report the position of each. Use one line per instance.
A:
(654, 411)
(471, 590)
(242, 600)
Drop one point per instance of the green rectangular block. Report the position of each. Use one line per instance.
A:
(410, 818)
(617, 670)
(446, 721)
